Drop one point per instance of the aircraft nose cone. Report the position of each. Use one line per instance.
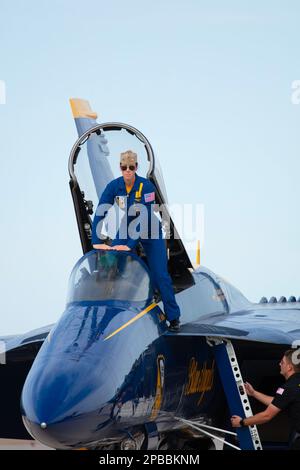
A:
(61, 411)
(79, 376)
(47, 401)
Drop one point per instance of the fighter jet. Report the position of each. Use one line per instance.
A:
(109, 374)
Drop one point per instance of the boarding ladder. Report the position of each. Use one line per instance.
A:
(235, 392)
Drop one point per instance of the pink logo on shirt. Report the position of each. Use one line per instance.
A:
(280, 391)
(149, 197)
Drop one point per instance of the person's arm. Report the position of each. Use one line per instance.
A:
(265, 399)
(106, 201)
(259, 418)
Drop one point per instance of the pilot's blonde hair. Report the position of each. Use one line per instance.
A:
(128, 158)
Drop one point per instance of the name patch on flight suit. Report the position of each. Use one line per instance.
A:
(121, 201)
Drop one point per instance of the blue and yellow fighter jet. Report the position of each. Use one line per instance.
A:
(109, 374)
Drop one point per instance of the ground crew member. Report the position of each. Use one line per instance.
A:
(287, 398)
(130, 191)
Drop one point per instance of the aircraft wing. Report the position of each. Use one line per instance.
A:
(214, 307)
(249, 326)
(21, 351)
(14, 342)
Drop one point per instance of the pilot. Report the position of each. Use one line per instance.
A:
(133, 193)
(287, 398)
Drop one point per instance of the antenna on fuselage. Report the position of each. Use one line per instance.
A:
(198, 254)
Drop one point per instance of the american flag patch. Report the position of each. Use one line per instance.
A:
(280, 391)
(149, 197)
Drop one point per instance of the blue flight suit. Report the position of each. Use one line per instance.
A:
(142, 192)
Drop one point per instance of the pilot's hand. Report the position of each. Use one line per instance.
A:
(249, 389)
(235, 421)
(120, 248)
(102, 246)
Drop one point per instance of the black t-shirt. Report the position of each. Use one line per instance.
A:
(287, 398)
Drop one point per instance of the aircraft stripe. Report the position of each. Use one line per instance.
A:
(137, 317)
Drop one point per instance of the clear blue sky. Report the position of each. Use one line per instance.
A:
(208, 82)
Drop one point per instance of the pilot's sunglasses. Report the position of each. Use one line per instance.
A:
(124, 167)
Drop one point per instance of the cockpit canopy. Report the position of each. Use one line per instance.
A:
(109, 275)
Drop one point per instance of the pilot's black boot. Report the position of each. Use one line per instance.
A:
(157, 296)
(174, 325)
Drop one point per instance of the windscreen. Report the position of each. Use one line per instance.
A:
(109, 275)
